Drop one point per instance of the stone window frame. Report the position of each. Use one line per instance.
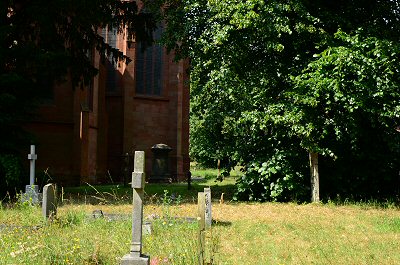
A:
(158, 55)
(113, 79)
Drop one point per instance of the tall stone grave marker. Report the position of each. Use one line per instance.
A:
(32, 190)
(135, 257)
(201, 218)
(208, 216)
(49, 207)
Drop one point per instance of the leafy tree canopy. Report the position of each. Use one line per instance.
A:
(271, 80)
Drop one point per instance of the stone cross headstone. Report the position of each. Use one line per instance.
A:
(135, 257)
(208, 216)
(32, 190)
(32, 157)
(201, 217)
(49, 208)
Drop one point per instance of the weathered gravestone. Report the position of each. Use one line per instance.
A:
(49, 207)
(160, 166)
(135, 257)
(207, 209)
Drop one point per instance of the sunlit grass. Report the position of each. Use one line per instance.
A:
(308, 234)
(340, 232)
(74, 237)
(245, 233)
(210, 174)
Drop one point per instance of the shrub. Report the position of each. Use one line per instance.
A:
(11, 173)
(273, 179)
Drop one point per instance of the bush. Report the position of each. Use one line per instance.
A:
(11, 172)
(273, 180)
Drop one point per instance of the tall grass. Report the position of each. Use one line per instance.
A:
(243, 233)
(337, 232)
(74, 237)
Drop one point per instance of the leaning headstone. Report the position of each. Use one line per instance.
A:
(32, 190)
(201, 218)
(208, 216)
(135, 257)
(49, 207)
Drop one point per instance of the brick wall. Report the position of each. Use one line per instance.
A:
(80, 144)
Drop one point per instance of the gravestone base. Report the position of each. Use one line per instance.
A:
(32, 194)
(130, 259)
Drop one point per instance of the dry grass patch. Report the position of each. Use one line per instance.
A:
(272, 233)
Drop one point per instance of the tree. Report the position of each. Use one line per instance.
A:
(44, 42)
(250, 61)
(346, 93)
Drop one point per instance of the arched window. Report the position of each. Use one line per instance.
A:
(113, 77)
(149, 67)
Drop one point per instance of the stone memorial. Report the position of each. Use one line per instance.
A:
(160, 164)
(201, 218)
(207, 216)
(32, 190)
(135, 257)
(49, 203)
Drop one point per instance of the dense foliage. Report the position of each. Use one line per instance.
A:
(42, 43)
(274, 80)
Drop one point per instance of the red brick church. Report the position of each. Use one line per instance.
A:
(82, 135)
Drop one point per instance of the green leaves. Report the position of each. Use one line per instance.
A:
(286, 77)
(340, 84)
(276, 179)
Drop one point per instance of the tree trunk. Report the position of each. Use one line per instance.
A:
(219, 168)
(314, 176)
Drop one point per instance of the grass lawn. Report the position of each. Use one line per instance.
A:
(243, 233)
